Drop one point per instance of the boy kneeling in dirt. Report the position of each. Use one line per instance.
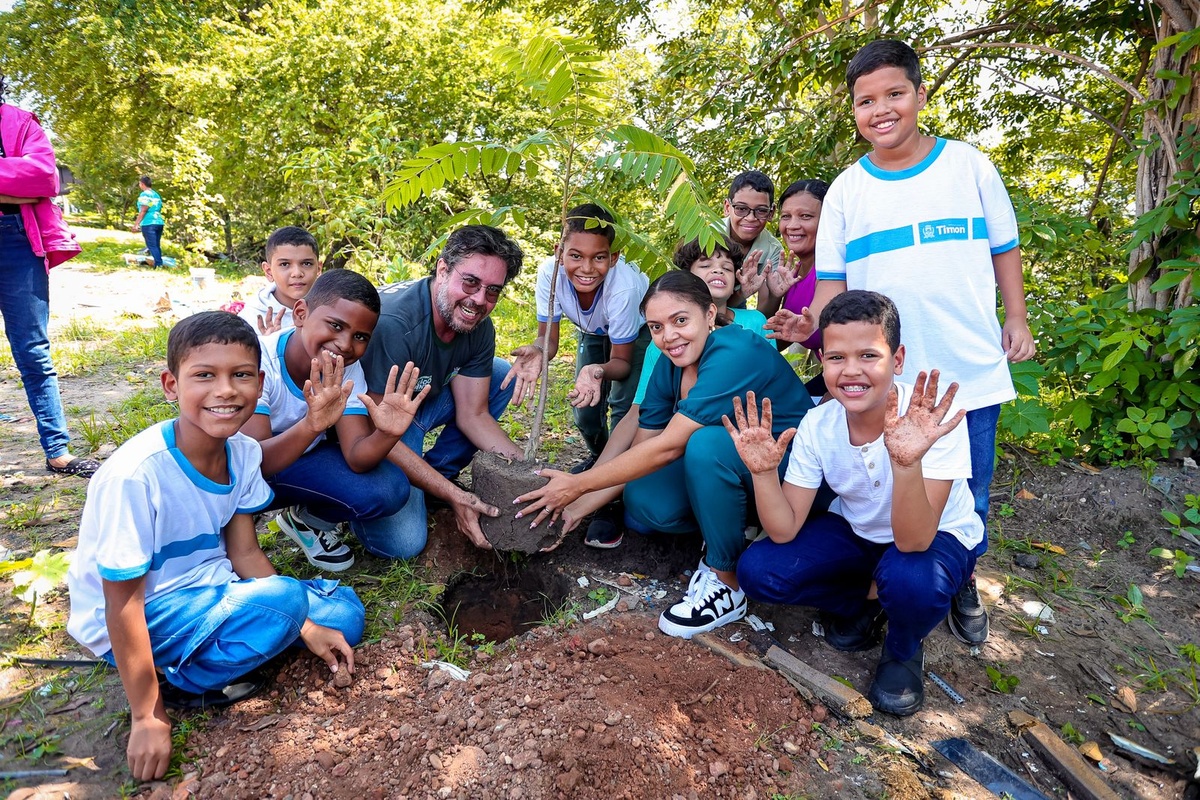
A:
(168, 582)
(905, 541)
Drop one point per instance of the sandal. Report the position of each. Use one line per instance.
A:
(247, 686)
(83, 467)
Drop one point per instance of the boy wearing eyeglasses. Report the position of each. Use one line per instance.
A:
(442, 324)
(750, 206)
(601, 293)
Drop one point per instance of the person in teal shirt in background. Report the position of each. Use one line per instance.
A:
(150, 219)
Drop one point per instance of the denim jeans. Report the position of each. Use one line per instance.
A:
(25, 305)
(153, 236)
(828, 567)
(207, 637)
(981, 430)
(407, 531)
(594, 422)
(322, 482)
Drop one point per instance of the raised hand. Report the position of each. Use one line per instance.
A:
(397, 408)
(749, 278)
(326, 391)
(791, 327)
(550, 500)
(752, 436)
(781, 279)
(909, 438)
(271, 322)
(587, 386)
(527, 366)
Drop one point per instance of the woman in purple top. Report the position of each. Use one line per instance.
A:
(799, 213)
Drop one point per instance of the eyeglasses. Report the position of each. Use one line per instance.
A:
(760, 212)
(472, 284)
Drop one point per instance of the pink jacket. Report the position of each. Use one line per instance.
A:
(29, 171)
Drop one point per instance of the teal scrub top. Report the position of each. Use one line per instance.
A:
(734, 361)
(150, 200)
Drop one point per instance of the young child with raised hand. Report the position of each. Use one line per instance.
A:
(600, 292)
(313, 383)
(928, 222)
(168, 574)
(905, 541)
(292, 266)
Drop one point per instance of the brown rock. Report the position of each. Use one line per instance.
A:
(624, 580)
(342, 678)
(786, 765)
(718, 768)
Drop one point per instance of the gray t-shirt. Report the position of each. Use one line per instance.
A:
(405, 333)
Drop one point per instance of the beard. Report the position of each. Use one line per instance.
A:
(446, 310)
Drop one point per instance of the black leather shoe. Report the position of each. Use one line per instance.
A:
(968, 618)
(899, 686)
(855, 634)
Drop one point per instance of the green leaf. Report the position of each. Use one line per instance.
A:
(46, 571)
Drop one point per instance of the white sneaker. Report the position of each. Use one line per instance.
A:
(708, 603)
(321, 548)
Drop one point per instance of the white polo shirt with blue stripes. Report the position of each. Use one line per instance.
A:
(925, 237)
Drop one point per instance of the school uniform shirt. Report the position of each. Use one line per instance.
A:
(925, 237)
(615, 309)
(747, 318)
(862, 475)
(734, 361)
(283, 401)
(405, 333)
(263, 301)
(150, 513)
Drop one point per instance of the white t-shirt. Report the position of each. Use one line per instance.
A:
(283, 401)
(258, 305)
(862, 475)
(925, 237)
(150, 512)
(614, 312)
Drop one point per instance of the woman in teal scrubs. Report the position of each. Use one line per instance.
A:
(683, 472)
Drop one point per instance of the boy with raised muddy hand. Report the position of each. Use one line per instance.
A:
(905, 541)
(168, 582)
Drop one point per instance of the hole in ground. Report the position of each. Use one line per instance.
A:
(499, 606)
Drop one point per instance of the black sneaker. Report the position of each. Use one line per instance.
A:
(583, 466)
(899, 686)
(709, 603)
(245, 687)
(855, 634)
(968, 618)
(604, 532)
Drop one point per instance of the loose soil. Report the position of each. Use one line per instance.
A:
(498, 481)
(609, 707)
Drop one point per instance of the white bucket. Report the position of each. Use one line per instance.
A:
(202, 275)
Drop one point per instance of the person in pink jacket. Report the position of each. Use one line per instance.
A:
(33, 238)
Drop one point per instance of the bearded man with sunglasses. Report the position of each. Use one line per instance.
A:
(441, 324)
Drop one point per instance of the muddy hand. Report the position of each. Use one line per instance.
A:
(752, 437)
(527, 366)
(467, 510)
(908, 438)
(551, 499)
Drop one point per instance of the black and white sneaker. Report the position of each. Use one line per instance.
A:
(321, 547)
(707, 604)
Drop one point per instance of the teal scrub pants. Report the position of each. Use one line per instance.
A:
(709, 488)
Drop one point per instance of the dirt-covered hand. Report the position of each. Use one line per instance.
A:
(781, 279)
(149, 750)
(467, 510)
(326, 391)
(909, 438)
(791, 327)
(749, 278)
(752, 436)
(270, 322)
(396, 409)
(526, 367)
(327, 644)
(587, 386)
(551, 499)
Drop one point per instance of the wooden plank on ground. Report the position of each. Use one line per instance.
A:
(1069, 765)
(837, 696)
(723, 648)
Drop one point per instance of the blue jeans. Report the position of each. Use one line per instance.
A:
(981, 430)
(322, 482)
(594, 422)
(153, 236)
(25, 305)
(208, 637)
(828, 567)
(453, 451)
